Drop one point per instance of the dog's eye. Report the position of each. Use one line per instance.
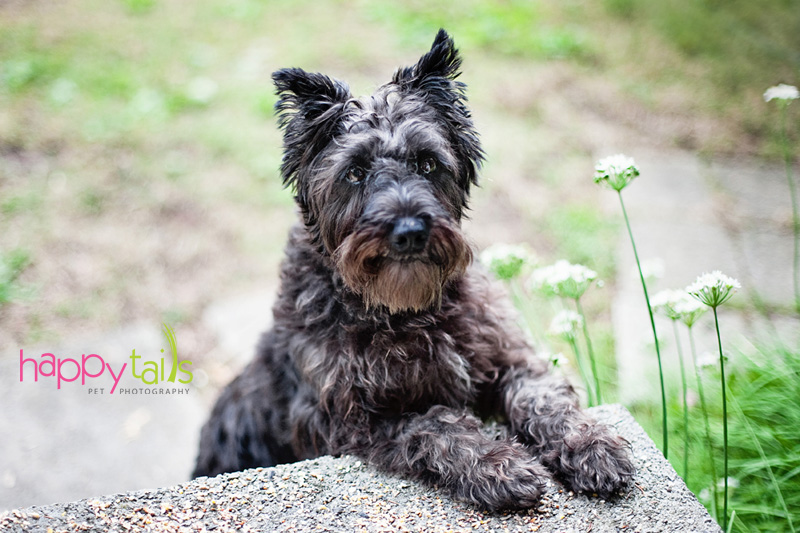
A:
(428, 165)
(356, 175)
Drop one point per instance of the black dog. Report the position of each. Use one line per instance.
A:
(386, 343)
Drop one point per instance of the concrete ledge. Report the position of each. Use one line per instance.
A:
(343, 494)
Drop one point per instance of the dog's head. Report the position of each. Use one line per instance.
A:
(382, 181)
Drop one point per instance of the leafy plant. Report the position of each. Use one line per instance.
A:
(12, 264)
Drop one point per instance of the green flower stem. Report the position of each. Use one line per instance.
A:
(711, 458)
(574, 344)
(655, 335)
(787, 156)
(598, 395)
(685, 404)
(724, 421)
(741, 416)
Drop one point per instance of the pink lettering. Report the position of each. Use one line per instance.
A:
(116, 377)
(52, 363)
(85, 373)
(22, 362)
(61, 376)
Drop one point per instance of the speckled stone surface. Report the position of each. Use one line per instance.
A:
(343, 494)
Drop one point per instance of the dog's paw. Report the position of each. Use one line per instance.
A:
(504, 477)
(594, 461)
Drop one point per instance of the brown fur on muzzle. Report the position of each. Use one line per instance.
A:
(364, 261)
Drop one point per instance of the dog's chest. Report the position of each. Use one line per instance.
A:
(409, 370)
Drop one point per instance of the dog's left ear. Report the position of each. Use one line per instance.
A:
(434, 77)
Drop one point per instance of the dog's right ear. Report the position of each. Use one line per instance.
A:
(309, 107)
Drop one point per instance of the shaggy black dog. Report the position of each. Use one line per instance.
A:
(386, 343)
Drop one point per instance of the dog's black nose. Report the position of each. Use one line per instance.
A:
(409, 236)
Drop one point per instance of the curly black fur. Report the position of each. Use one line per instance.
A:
(392, 351)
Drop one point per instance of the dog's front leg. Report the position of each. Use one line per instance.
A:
(543, 411)
(444, 447)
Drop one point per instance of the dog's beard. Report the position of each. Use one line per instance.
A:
(414, 284)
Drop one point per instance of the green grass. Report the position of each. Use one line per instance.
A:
(728, 51)
(517, 28)
(767, 42)
(764, 387)
(12, 264)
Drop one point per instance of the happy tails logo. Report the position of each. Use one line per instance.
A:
(94, 367)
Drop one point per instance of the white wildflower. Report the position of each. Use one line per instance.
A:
(665, 301)
(557, 360)
(615, 171)
(733, 483)
(507, 261)
(689, 309)
(565, 324)
(678, 305)
(783, 92)
(713, 289)
(563, 279)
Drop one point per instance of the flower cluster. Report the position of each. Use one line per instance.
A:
(783, 92)
(565, 325)
(665, 301)
(615, 171)
(563, 279)
(713, 289)
(507, 261)
(678, 305)
(689, 310)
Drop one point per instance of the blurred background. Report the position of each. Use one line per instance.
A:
(139, 184)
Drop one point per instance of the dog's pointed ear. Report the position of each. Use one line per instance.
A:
(434, 79)
(307, 93)
(309, 108)
(440, 64)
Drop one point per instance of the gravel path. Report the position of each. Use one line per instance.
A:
(343, 494)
